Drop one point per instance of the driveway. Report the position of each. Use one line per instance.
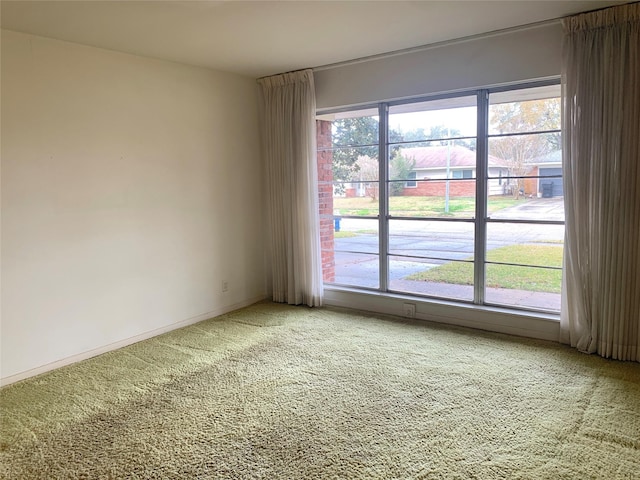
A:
(533, 209)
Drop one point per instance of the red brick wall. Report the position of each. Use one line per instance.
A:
(325, 192)
(437, 188)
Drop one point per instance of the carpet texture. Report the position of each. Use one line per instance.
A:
(273, 391)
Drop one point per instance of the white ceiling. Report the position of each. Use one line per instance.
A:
(259, 38)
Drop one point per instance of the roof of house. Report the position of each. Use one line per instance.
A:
(436, 157)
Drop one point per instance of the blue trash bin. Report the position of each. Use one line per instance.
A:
(336, 223)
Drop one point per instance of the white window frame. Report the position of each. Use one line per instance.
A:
(459, 174)
(412, 182)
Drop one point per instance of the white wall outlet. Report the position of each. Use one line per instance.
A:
(409, 310)
(225, 286)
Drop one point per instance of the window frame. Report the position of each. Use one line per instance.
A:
(412, 180)
(462, 174)
(481, 220)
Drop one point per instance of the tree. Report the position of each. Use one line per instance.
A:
(355, 143)
(368, 170)
(413, 135)
(524, 117)
(361, 132)
(355, 146)
(437, 136)
(399, 169)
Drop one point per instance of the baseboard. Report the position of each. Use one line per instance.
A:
(543, 327)
(524, 324)
(127, 341)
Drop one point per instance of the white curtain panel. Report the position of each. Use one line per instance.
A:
(288, 110)
(601, 136)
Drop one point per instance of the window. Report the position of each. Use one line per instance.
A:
(411, 183)
(483, 224)
(349, 186)
(463, 174)
(523, 263)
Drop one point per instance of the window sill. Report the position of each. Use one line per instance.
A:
(539, 325)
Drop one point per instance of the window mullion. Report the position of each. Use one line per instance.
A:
(383, 195)
(480, 240)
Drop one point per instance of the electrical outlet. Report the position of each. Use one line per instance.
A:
(225, 286)
(409, 310)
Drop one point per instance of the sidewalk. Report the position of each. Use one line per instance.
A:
(501, 296)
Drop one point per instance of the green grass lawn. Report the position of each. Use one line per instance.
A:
(462, 207)
(506, 276)
(342, 234)
(348, 234)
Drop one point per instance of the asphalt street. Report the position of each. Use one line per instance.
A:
(441, 242)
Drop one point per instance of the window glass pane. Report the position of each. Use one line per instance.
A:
(352, 253)
(357, 193)
(525, 244)
(434, 198)
(356, 199)
(432, 258)
(437, 278)
(506, 207)
(525, 183)
(355, 164)
(433, 160)
(358, 235)
(357, 269)
(432, 144)
(525, 110)
(348, 174)
(435, 240)
(354, 128)
(517, 162)
(433, 120)
(526, 287)
(431, 194)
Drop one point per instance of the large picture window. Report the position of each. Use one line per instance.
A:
(452, 197)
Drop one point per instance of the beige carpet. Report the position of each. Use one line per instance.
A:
(275, 392)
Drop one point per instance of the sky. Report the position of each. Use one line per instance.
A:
(462, 119)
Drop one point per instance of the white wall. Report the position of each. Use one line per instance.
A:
(489, 60)
(128, 194)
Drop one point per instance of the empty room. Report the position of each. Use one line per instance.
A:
(320, 239)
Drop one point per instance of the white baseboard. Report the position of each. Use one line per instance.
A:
(524, 324)
(127, 341)
(513, 322)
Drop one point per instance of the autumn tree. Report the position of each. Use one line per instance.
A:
(523, 118)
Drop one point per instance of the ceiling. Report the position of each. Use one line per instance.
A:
(258, 38)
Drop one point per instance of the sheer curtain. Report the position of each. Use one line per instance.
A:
(288, 108)
(601, 135)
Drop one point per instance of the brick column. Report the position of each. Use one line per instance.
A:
(325, 193)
